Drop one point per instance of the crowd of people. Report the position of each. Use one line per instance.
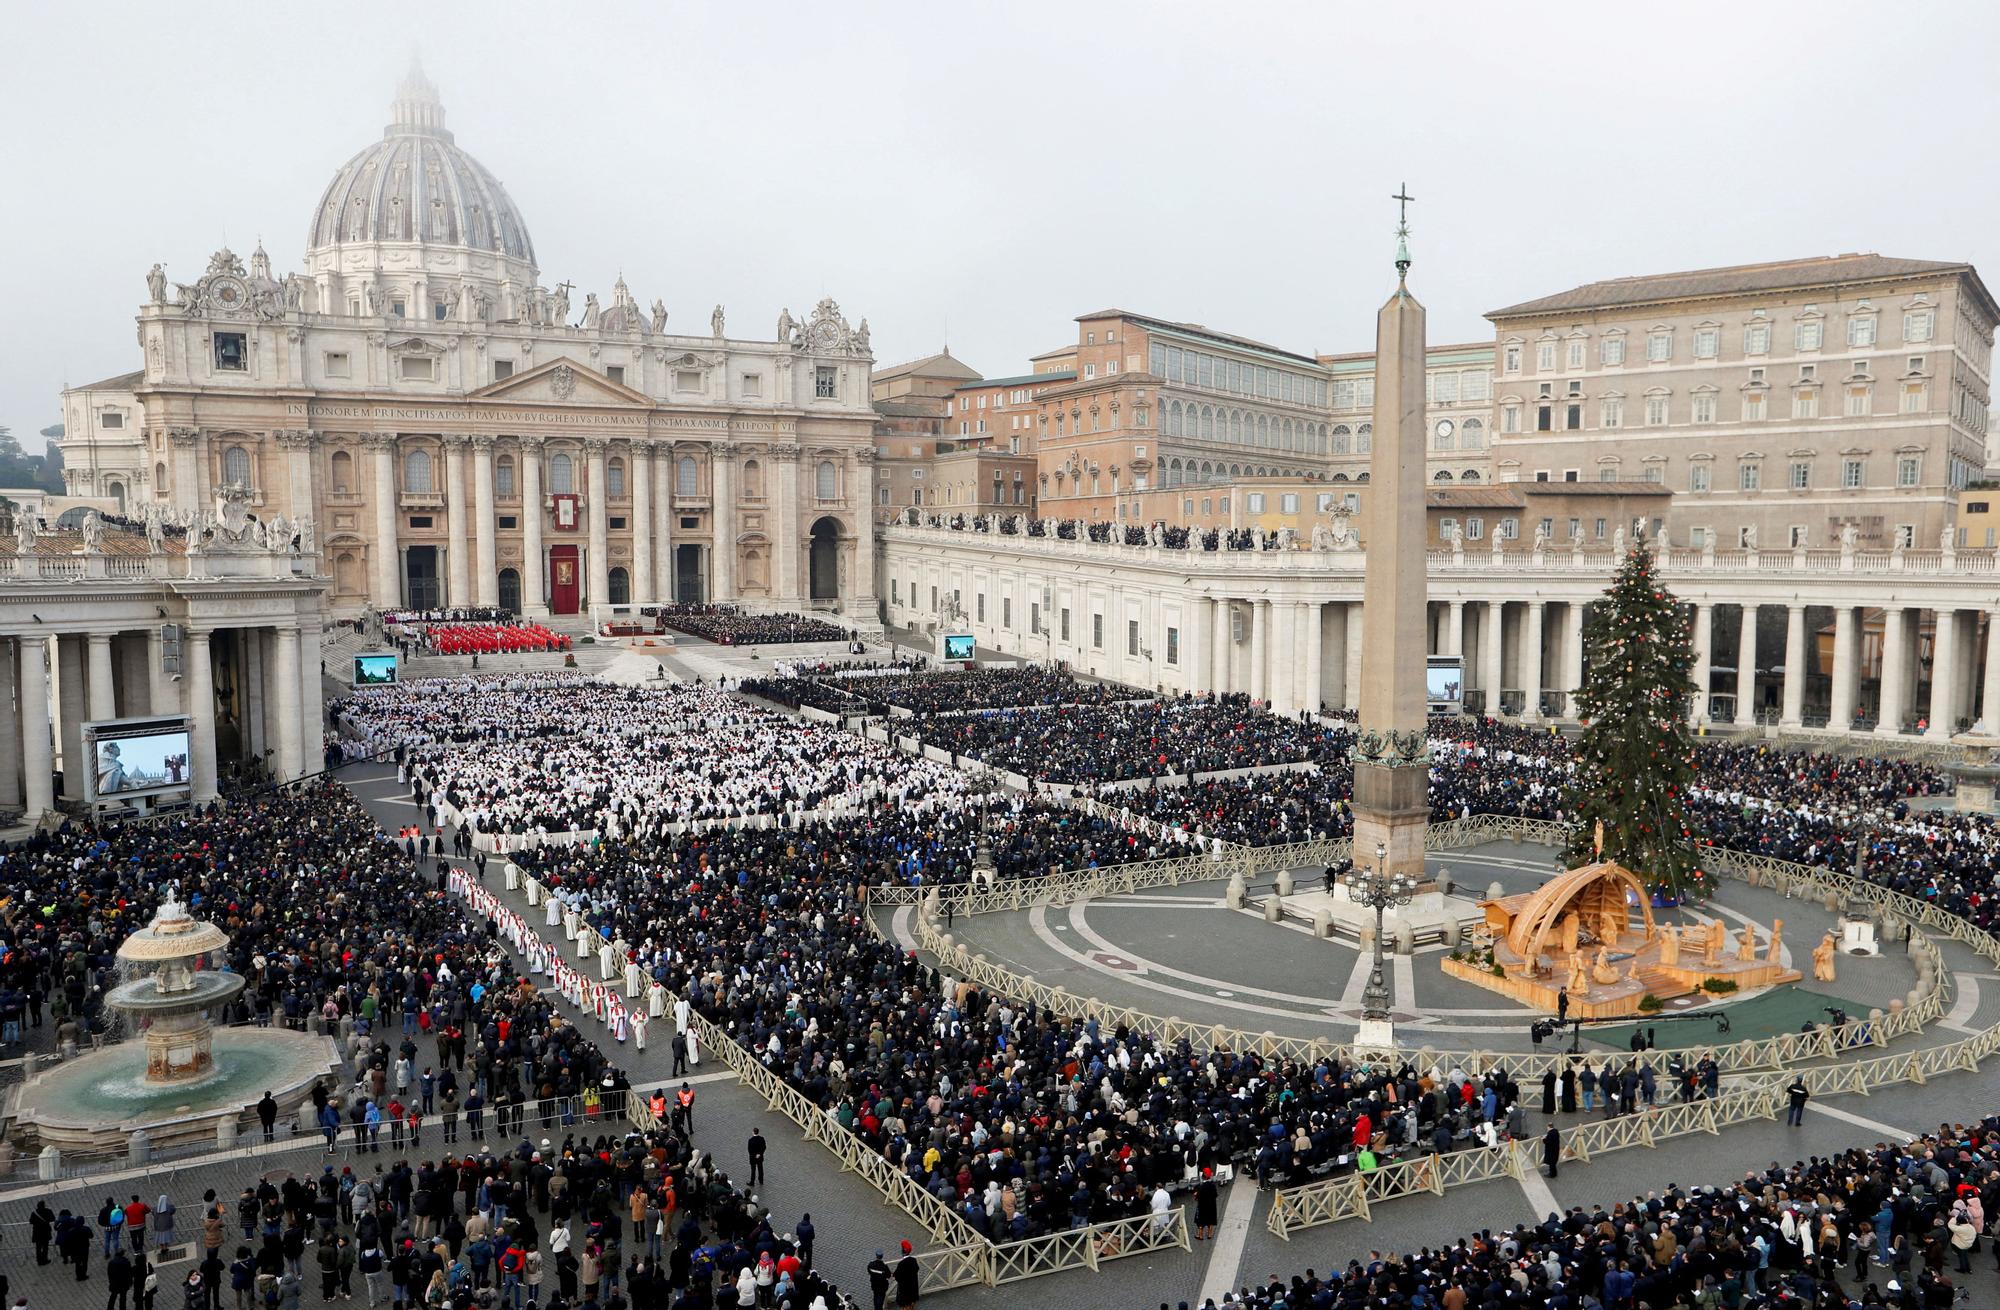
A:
(510, 638)
(928, 692)
(725, 625)
(642, 1219)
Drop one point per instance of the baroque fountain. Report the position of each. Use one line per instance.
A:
(180, 1080)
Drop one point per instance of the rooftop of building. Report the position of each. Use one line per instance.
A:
(1741, 279)
(1021, 379)
(941, 365)
(1368, 356)
(1197, 330)
(1507, 497)
(1057, 353)
(117, 382)
(1624, 487)
(910, 407)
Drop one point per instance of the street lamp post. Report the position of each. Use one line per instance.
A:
(1378, 890)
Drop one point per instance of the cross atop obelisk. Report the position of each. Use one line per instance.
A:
(1402, 199)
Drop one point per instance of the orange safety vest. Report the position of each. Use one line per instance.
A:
(659, 1107)
(685, 1096)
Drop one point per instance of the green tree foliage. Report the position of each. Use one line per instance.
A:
(1635, 758)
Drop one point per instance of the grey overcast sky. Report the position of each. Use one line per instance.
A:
(983, 173)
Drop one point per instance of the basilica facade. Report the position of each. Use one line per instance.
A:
(460, 434)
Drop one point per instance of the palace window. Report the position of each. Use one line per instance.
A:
(1809, 334)
(236, 467)
(1916, 325)
(1749, 477)
(1909, 470)
(562, 474)
(1706, 342)
(1861, 330)
(1545, 357)
(686, 477)
(417, 471)
(502, 369)
(1757, 339)
(338, 364)
(1704, 407)
(1611, 351)
(614, 478)
(826, 481)
(1852, 473)
(1698, 475)
(503, 475)
(1801, 474)
(1660, 347)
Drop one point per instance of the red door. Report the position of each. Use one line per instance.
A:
(564, 583)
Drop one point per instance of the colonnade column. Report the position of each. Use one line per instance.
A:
(1704, 643)
(1200, 645)
(382, 551)
(1841, 715)
(1989, 708)
(1310, 626)
(642, 523)
(458, 520)
(663, 536)
(722, 565)
(37, 753)
(1260, 621)
(312, 710)
(164, 692)
(1531, 664)
(1795, 667)
(786, 577)
(1895, 649)
(200, 680)
(1282, 681)
(1492, 646)
(1746, 667)
(1573, 656)
(1454, 630)
(71, 667)
(10, 731)
(103, 695)
(485, 526)
(1221, 642)
(534, 593)
(600, 530)
(291, 732)
(1944, 673)
(1351, 689)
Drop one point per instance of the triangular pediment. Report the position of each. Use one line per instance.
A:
(561, 382)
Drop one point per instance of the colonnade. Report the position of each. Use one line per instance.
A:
(254, 688)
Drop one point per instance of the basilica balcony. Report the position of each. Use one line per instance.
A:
(421, 499)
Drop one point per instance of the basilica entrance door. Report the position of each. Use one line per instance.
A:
(565, 580)
(688, 579)
(421, 585)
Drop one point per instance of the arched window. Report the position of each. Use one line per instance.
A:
(1236, 426)
(117, 490)
(1473, 434)
(1235, 470)
(753, 480)
(1470, 475)
(1207, 423)
(621, 586)
(687, 477)
(1263, 429)
(1174, 418)
(826, 481)
(1361, 477)
(1364, 439)
(1338, 477)
(160, 475)
(417, 470)
(1442, 475)
(503, 476)
(1340, 438)
(562, 475)
(614, 478)
(236, 467)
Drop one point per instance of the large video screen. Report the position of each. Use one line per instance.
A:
(372, 670)
(1444, 684)
(957, 646)
(137, 757)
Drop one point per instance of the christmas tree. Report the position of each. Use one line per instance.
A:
(1635, 758)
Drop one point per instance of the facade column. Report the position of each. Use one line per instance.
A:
(165, 690)
(1795, 667)
(1531, 663)
(485, 526)
(1492, 648)
(1944, 674)
(291, 731)
(1841, 717)
(312, 710)
(1892, 694)
(785, 578)
(1454, 630)
(129, 680)
(37, 754)
(600, 525)
(534, 565)
(1989, 705)
(256, 711)
(663, 535)
(201, 713)
(458, 520)
(641, 464)
(1963, 704)
(1222, 645)
(1199, 645)
(1282, 653)
(1704, 646)
(1312, 631)
(1351, 692)
(1746, 667)
(186, 475)
(1260, 623)
(382, 551)
(1572, 655)
(10, 729)
(298, 445)
(861, 495)
(722, 562)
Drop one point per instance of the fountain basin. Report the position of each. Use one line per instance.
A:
(96, 1101)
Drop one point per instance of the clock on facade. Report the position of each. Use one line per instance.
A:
(1444, 427)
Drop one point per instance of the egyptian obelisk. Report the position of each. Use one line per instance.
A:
(1391, 803)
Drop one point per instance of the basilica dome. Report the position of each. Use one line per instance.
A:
(416, 187)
